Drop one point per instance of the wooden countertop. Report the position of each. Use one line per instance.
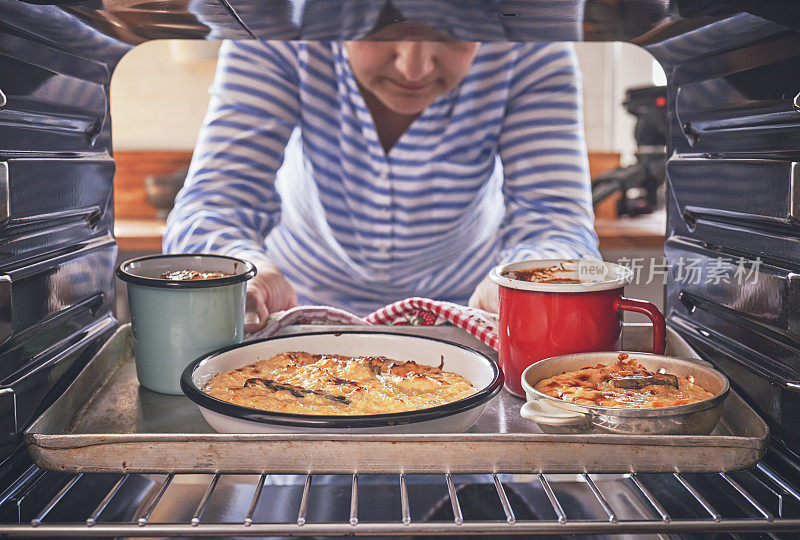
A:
(641, 232)
(139, 234)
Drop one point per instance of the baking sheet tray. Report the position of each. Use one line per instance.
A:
(105, 422)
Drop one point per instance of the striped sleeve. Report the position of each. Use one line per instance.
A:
(229, 203)
(546, 183)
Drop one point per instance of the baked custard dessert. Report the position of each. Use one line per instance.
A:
(187, 275)
(329, 384)
(624, 383)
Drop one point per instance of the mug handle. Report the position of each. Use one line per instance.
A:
(655, 316)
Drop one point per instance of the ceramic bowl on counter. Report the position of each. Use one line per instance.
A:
(480, 370)
(554, 415)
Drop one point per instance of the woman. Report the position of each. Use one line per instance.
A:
(355, 174)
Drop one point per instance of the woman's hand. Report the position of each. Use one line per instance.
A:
(485, 296)
(266, 293)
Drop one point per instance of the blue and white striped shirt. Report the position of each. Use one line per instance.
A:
(289, 168)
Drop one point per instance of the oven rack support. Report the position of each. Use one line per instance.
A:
(769, 513)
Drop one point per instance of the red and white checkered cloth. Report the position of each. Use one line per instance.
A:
(411, 311)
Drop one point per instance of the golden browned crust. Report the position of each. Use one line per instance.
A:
(302, 383)
(595, 386)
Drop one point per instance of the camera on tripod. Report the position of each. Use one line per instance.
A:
(641, 184)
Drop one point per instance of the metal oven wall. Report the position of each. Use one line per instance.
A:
(57, 251)
(733, 239)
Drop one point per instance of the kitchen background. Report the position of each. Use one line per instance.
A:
(159, 94)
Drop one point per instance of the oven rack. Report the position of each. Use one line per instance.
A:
(754, 500)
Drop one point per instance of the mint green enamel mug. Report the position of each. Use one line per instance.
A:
(175, 321)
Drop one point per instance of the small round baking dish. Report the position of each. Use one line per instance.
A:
(554, 415)
(453, 417)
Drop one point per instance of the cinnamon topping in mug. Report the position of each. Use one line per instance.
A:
(541, 275)
(189, 275)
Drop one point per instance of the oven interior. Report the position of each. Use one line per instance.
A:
(733, 71)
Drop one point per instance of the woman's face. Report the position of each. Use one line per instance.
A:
(408, 66)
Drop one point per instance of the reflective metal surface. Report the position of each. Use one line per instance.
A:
(107, 423)
(794, 190)
(134, 21)
(56, 212)
(732, 203)
(5, 203)
(761, 499)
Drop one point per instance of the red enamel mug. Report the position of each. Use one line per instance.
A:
(560, 306)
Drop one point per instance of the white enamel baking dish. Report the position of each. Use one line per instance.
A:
(454, 417)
